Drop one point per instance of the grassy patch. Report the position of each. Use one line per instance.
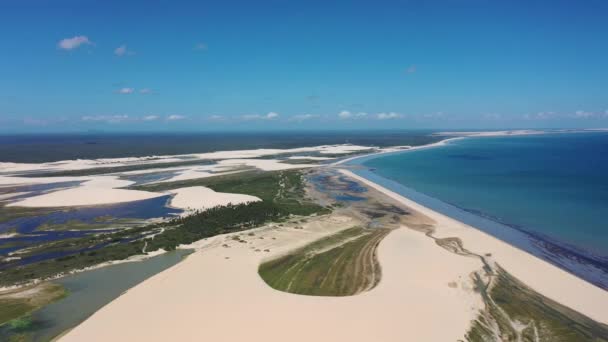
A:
(11, 213)
(343, 264)
(103, 222)
(16, 305)
(509, 300)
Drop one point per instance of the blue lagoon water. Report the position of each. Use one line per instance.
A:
(547, 194)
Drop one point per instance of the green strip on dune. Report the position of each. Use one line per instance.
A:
(343, 264)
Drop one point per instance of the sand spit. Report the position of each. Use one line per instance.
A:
(538, 274)
(217, 295)
(200, 198)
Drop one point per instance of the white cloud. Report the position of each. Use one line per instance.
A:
(150, 117)
(216, 118)
(581, 114)
(73, 43)
(388, 116)
(123, 51)
(269, 116)
(175, 117)
(303, 117)
(145, 91)
(539, 116)
(106, 118)
(125, 90)
(345, 114)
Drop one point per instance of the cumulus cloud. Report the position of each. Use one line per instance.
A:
(145, 91)
(106, 118)
(74, 42)
(303, 117)
(345, 114)
(539, 116)
(175, 117)
(150, 117)
(581, 114)
(269, 116)
(123, 51)
(388, 116)
(272, 115)
(125, 91)
(216, 118)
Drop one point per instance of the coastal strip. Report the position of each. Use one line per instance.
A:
(541, 276)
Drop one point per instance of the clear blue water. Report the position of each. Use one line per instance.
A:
(88, 292)
(547, 194)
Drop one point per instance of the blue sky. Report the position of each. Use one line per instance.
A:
(82, 65)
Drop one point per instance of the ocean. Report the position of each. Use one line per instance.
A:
(547, 194)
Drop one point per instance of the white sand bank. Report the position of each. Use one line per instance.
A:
(217, 295)
(98, 190)
(8, 168)
(543, 277)
(200, 197)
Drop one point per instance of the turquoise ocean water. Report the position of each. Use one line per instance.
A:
(547, 194)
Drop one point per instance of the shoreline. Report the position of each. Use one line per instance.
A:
(585, 264)
(555, 283)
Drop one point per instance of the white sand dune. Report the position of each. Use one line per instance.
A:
(217, 295)
(81, 164)
(97, 190)
(541, 276)
(200, 198)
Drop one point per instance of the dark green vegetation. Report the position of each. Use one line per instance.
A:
(99, 223)
(284, 189)
(15, 306)
(11, 213)
(514, 312)
(343, 264)
(282, 193)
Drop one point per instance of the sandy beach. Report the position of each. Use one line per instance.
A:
(543, 277)
(216, 294)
